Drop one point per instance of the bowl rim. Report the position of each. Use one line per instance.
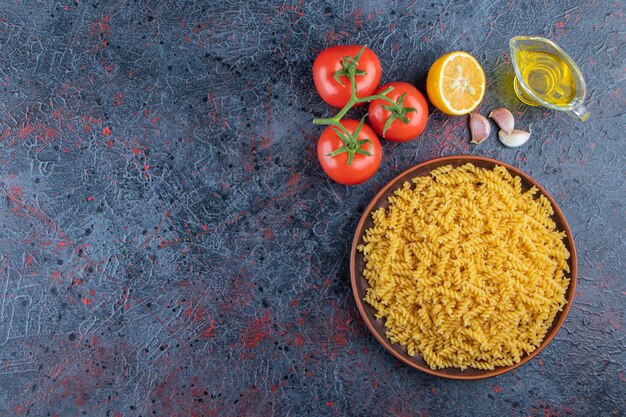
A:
(382, 339)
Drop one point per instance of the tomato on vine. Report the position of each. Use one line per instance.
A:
(334, 67)
(403, 120)
(349, 150)
(350, 153)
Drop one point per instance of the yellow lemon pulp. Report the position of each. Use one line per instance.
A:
(456, 83)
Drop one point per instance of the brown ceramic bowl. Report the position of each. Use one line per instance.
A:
(359, 283)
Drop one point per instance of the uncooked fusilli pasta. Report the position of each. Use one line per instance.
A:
(465, 268)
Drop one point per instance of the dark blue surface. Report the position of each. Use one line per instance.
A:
(170, 246)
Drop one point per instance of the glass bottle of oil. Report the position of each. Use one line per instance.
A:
(546, 76)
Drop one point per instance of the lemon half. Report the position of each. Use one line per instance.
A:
(456, 83)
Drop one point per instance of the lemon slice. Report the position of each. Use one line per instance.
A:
(456, 83)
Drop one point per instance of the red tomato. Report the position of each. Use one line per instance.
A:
(398, 130)
(362, 167)
(330, 60)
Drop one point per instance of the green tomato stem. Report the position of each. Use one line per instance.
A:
(354, 100)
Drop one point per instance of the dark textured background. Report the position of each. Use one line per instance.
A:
(171, 247)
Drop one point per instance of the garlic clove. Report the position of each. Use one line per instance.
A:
(504, 119)
(514, 139)
(479, 127)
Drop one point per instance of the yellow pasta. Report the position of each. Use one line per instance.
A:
(465, 268)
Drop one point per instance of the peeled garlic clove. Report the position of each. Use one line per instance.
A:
(503, 118)
(479, 127)
(514, 139)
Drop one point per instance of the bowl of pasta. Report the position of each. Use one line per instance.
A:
(463, 267)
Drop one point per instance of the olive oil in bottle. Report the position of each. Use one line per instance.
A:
(548, 76)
